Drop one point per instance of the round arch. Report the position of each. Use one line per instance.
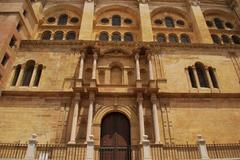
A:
(62, 7)
(128, 111)
(122, 8)
(220, 12)
(175, 10)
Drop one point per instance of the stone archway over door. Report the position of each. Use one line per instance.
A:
(115, 137)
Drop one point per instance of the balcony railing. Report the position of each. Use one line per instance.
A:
(134, 152)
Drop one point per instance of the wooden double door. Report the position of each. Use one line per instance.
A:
(115, 137)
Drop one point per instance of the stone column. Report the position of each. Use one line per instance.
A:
(208, 78)
(76, 102)
(95, 56)
(146, 148)
(150, 67)
(202, 148)
(19, 80)
(141, 117)
(90, 149)
(137, 67)
(199, 23)
(90, 116)
(155, 118)
(145, 18)
(86, 30)
(196, 77)
(80, 76)
(34, 75)
(31, 149)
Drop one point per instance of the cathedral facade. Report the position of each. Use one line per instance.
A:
(121, 72)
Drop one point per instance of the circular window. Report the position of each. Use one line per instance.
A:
(104, 21)
(180, 23)
(128, 21)
(158, 22)
(229, 25)
(74, 20)
(51, 20)
(209, 23)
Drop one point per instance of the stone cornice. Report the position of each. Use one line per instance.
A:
(130, 46)
(65, 94)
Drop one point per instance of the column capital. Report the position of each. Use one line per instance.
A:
(149, 57)
(95, 55)
(154, 98)
(136, 56)
(77, 97)
(193, 2)
(139, 98)
(82, 54)
(91, 97)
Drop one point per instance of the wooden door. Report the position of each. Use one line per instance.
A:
(115, 137)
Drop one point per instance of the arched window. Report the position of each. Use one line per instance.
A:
(71, 35)
(116, 36)
(185, 39)
(63, 19)
(169, 22)
(46, 35)
(116, 20)
(58, 35)
(128, 37)
(200, 68)
(116, 75)
(226, 39)
(38, 75)
(161, 37)
(173, 38)
(27, 75)
(192, 77)
(213, 77)
(218, 23)
(216, 39)
(104, 36)
(16, 75)
(236, 39)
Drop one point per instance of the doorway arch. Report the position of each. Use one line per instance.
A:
(115, 137)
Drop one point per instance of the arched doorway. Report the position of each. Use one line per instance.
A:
(115, 137)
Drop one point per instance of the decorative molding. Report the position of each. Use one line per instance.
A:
(143, 1)
(155, 46)
(70, 94)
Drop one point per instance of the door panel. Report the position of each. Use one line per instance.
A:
(115, 137)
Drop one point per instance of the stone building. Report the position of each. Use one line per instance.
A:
(114, 71)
